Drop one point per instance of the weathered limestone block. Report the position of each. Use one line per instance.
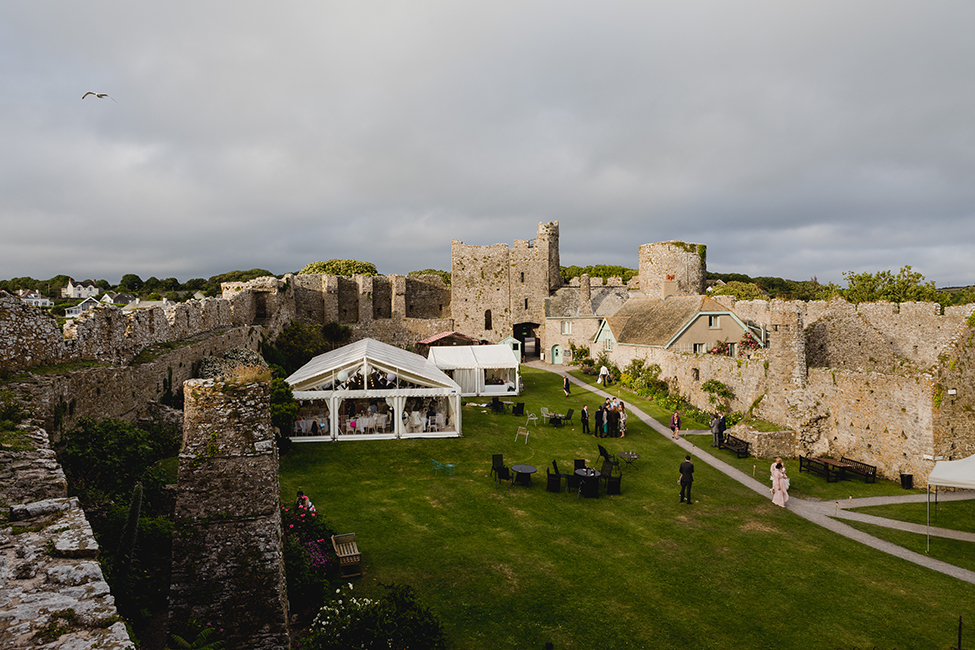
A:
(766, 444)
(48, 568)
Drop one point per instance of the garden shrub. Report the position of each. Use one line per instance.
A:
(394, 620)
(309, 561)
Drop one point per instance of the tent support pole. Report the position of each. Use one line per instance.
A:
(928, 490)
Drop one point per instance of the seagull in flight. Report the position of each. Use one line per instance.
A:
(98, 95)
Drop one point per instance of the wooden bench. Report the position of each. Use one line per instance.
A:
(348, 554)
(868, 472)
(822, 468)
(737, 445)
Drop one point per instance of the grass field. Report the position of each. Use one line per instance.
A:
(516, 568)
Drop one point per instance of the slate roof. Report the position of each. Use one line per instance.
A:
(646, 321)
(565, 302)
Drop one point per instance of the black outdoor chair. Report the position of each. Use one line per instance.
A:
(519, 409)
(607, 456)
(607, 471)
(496, 405)
(613, 485)
(579, 463)
(568, 416)
(572, 482)
(554, 481)
(504, 474)
(497, 462)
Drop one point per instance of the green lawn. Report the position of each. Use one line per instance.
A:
(516, 568)
(952, 551)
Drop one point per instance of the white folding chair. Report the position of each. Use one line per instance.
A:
(522, 431)
(531, 418)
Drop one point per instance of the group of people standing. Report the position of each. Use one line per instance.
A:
(610, 419)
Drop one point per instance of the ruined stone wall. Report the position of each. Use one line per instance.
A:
(427, 297)
(684, 263)
(348, 299)
(382, 297)
(309, 294)
(60, 400)
(878, 419)
(49, 558)
(228, 563)
(954, 397)
(29, 337)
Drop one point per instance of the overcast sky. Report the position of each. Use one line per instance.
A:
(794, 139)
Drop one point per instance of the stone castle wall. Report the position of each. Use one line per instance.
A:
(60, 400)
(228, 562)
(49, 558)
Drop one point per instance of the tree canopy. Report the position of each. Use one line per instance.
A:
(604, 271)
(445, 275)
(347, 268)
(740, 290)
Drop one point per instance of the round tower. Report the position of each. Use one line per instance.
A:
(672, 268)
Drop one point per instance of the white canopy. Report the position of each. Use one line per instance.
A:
(954, 473)
(480, 369)
(949, 473)
(473, 356)
(393, 382)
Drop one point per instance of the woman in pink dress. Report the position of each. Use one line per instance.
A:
(780, 485)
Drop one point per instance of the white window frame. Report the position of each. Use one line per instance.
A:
(698, 348)
(714, 322)
(566, 327)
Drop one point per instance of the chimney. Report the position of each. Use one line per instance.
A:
(585, 296)
(669, 287)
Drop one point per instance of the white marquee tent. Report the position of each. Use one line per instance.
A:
(480, 369)
(371, 390)
(950, 473)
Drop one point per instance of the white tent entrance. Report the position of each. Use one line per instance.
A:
(480, 369)
(949, 473)
(369, 390)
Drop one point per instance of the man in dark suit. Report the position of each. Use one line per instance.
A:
(599, 422)
(584, 416)
(686, 478)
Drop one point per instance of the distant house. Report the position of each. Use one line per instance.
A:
(113, 298)
(81, 307)
(85, 289)
(138, 303)
(31, 297)
(691, 324)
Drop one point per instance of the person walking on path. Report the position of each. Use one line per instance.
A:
(603, 376)
(686, 478)
(780, 485)
(584, 417)
(565, 384)
(675, 425)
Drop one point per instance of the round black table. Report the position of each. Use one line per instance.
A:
(629, 457)
(523, 473)
(589, 487)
